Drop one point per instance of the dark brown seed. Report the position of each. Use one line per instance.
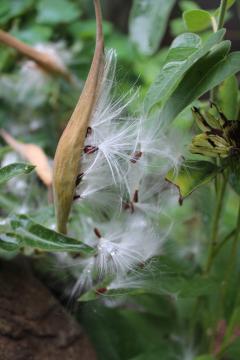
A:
(90, 149)
(101, 290)
(135, 196)
(97, 233)
(79, 179)
(136, 156)
(89, 131)
(76, 197)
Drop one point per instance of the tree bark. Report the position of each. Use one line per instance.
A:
(33, 324)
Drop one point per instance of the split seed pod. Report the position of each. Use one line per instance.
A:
(71, 143)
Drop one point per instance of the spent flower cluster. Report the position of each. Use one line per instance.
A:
(123, 164)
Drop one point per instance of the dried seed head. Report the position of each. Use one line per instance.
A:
(71, 144)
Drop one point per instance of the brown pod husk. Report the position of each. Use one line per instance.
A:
(71, 143)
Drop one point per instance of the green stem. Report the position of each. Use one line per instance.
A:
(226, 239)
(222, 13)
(232, 258)
(223, 9)
(213, 96)
(216, 219)
(230, 268)
(233, 255)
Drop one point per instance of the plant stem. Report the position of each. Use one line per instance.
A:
(223, 9)
(224, 241)
(213, 96)
(216, 218)
(222, 13)
(233, 256)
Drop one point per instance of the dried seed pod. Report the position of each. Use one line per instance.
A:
(71, 143)
(44, 60)
(34, 154)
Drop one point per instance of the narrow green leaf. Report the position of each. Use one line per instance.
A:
(228, 97)
(9, 171)
(197, 20)
(191, 176)
(37, 236)
(204, 357)
(185, 51)
(207, 73)
(148, 22)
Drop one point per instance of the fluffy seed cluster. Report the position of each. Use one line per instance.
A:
(124, 161)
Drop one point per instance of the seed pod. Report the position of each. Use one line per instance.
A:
(44, 60)
(71, 143)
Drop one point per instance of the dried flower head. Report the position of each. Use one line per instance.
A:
(220, 137)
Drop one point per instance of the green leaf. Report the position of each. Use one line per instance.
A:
(86, 29)
(34, 235)
(191, 176)
(197, 20)
(57, 11)
(13, 8)
(12, 170)
(148, 22)
(204, 357)
(228, 97)
(33, 34)
(9, 242)
(207, 73)
(186, 5)
(8, 202)
(121, 334)
(185, 51)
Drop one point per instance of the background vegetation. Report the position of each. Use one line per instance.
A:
(178, 314)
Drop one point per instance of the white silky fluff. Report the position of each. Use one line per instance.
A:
(122, 178)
